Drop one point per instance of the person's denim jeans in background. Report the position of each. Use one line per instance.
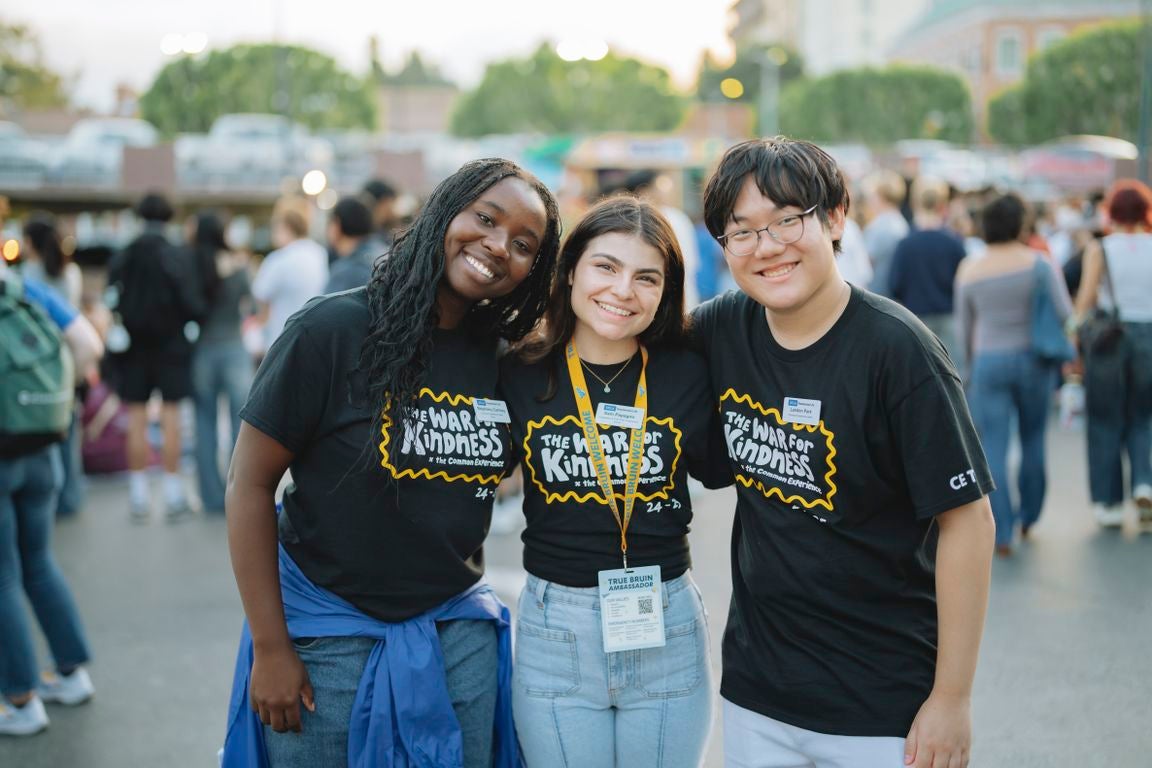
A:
(1118, 412)
(579, 707)
(73, 488)
(1006, 388)
(29, 487)
(218, 368)
(335, 665)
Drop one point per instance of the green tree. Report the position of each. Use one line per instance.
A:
(1007, 116)
(878, 106)
(1086, 83)
(544, 93)
(25, 81)
(747, 67)
(300, 83)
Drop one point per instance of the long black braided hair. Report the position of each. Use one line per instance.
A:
(403, 288)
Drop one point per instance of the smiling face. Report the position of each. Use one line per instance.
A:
(616, 288)
(784, 278)
(490, 246)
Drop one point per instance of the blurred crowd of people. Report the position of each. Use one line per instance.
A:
(186, 315)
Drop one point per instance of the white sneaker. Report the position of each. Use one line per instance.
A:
(139, 513)
(1142, 496)
(69, 690)
(1108, 516)
(22, 721)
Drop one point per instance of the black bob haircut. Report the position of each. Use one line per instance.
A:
(789, 172)
(1003, 219)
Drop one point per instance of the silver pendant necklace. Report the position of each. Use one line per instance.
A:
(607, 384)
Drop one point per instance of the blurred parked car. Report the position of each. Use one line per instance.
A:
(93, 152)
(252, 149)
(23, 160)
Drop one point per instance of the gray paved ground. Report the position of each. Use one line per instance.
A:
(1065, 679)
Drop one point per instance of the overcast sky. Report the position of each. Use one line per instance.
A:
(110, 41)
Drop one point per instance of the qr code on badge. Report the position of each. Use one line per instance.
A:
(645, 604)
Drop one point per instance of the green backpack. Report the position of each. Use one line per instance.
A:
(36, 378)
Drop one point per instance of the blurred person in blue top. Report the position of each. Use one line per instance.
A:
(351, 239)
(30, 481)
(634, 692)
(1117, 277)
(221, 367)
(1006, 382)
(372, 638)
(884, 193)
(46, 260)
(924, 263)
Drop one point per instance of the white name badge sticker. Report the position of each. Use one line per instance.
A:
(632, 609)
(491, 411)
(800, 411)
(620, 415)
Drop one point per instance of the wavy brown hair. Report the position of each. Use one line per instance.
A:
(622, 214)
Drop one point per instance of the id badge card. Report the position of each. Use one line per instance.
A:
(491, 411)
(625, 416)
(632, 609)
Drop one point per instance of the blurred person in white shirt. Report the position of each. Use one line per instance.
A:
(293, 273)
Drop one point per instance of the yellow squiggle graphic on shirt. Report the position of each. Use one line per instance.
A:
(769, 492)
(595, 495)
(424, 473)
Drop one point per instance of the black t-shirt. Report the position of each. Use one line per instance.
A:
(833, 620)
(571, 533)
(396, 528)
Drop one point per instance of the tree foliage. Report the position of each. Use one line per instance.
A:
(878, 106)
(307, 86)
(25, 80)
(747, 68)
(1086, 83)
(544, 93)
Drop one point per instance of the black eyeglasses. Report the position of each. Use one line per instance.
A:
(786, 230)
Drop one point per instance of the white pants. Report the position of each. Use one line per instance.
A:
(752, 740)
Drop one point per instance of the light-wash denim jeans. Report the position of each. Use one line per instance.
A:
(1009, 387)
(579, 707)
(29, 487)
(219, 368)
(335, 665)
(1118, 410)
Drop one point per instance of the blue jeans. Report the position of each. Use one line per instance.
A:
(72, 490)
(218, 368)
(577, 706)
(335, 665)
(29, 487)
(1007, 387)
(1118, 410)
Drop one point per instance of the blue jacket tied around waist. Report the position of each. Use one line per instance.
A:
(402, 716)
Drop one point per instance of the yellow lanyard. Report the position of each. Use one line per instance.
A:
(596, 449)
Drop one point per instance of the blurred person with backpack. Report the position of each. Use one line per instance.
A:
(156, 297)
(42, 342)
(221, 367)
(47, 261)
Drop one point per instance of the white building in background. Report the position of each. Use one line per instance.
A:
(829, 34)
